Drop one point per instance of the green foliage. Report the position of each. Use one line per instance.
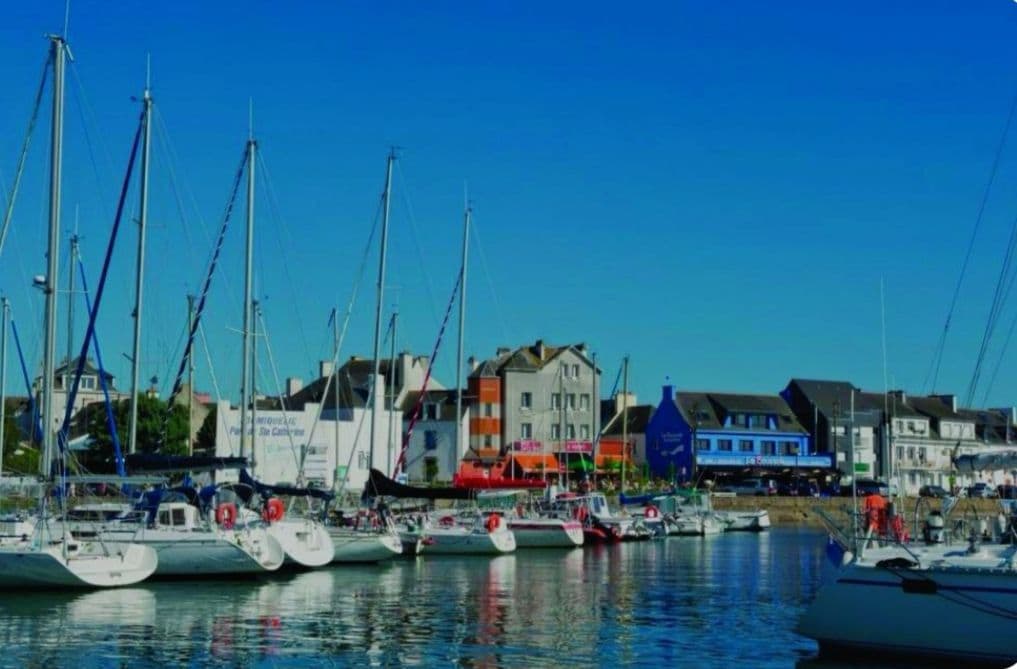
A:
(18, 458)
(205, 441)
(159, 429)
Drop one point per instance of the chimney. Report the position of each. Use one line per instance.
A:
(503, 350)
(540, 348)
(293, 386)
(622, 400)
(472, 362)
(900, 395)
(581, 347)
(325, 368)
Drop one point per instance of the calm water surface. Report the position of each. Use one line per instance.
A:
(725, 601)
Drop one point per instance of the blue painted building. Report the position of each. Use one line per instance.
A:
(726, 433)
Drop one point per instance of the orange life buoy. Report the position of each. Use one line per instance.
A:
(274, 510)
(226, 515)
(447, 521)
(493, 521)
(651, 511)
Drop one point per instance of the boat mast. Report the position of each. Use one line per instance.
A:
(4, 319)
(139, 274)
(462, 327)
(381, 297)
(561, 415)
(625, 418)
(335, 386)
(391, 395)
(190, 380)
(70, 289)
(254, 385)
(245, 395)
(59, 51)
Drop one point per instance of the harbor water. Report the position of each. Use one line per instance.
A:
(723, 601)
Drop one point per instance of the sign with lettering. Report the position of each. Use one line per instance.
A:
(752, 460)
(527, 446)
(578, 447)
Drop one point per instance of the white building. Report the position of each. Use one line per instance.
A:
(432, 453)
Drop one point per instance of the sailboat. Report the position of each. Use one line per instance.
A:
(305, 541)
(52, 556)
(932, 599)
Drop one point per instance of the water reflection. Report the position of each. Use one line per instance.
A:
(710, 601)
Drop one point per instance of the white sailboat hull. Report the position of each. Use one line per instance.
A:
(951, 613)
(32, 567)
(351, 546)
(745, 521)
(464, 541)
(305, 542)
(546, 532)
(697, 525)
(208, 553)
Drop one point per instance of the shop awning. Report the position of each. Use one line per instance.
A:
(531, 463)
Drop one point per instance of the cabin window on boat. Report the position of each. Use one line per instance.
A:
(164, 518)
(526, 430)
(745, 445)
(769, 447)
(525, 400)
(178, 517)
(725, 445)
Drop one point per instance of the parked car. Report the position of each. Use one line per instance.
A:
(1007, 491)
(756, 487)
(798, 488)
(982, 489)
(866, 487)
(933, 491)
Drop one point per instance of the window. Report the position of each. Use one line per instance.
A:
(526, 430)
(488, 441)
(430, 469)
(164, 517)
(178, 517)
(430, 440)
(702, 444)
(584, 432)
(725, 445)
(88, 382)
(757, 421)
(737, 419)
(769, 447)
(564, 370)
(430, 411)
(911, 452)
(488, 409)
(745, 445)
(900, 452)
(575, 371)
(526, 400)
(570, 401)
(584, 402)
(570, 431)
(921, 454)
(556, 431)
(788, 448)
(556, 400)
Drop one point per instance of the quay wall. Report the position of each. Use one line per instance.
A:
(801, 511)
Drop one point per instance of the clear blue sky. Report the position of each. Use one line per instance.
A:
(715, 188)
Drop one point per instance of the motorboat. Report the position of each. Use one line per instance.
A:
(600, 523)
(364, 536)
(484, 535)
(744, 521)
(532, 529)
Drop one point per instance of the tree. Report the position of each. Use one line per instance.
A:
(19, 458)
(205, 441)
(160, 429)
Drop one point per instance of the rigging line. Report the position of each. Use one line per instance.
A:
(356, 440)
(279, 390)
(87, 113)
(428, 283)
(490, 282)
(100, 288)
(282, 227)
(999, 361)
(111, 424)
(23, 156)
(208, 278)
(166, 161)
(358, 278)
(215, 386)
(938, 355)
(998, 296)
(400, 461)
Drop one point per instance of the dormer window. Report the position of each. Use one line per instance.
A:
(88, 383)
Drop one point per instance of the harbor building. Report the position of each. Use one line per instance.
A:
(431, 451)
(695, 433)
(533, 400)
(89, 389)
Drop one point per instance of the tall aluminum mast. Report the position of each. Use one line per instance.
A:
(462, 327)
(139, 273)
(245, 393)
(59, 51)
(4, 319)
(381, 299)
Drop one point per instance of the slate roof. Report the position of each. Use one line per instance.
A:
(710, 410)
(446, 400)
(527, 358)
(89, 369)
(638, 418)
